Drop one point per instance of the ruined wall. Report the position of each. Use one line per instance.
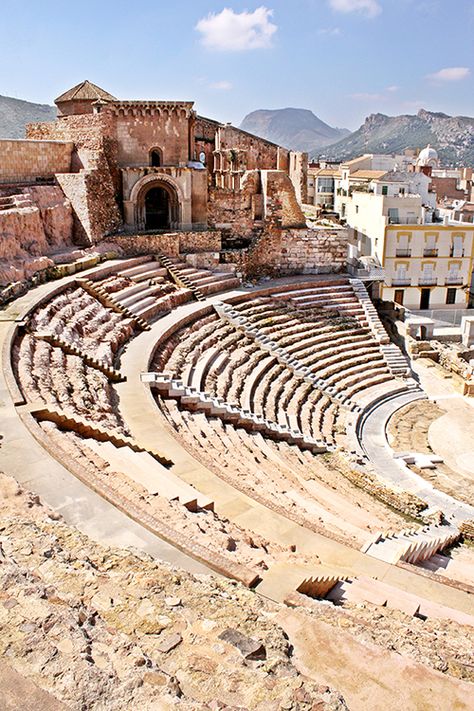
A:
(281, 205)
(34, 223)
(231, 210)
(23, 160)
(205, 140)
(93, 188)
(260, 154)
(298, 172)
(294, 251)
(173, 244)
(87, 132)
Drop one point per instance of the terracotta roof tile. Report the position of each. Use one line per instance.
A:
(85, 91)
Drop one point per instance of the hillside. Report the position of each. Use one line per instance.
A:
(452, 136)
(15, 114)
(298, 129)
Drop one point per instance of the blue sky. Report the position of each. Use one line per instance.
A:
(343, 59)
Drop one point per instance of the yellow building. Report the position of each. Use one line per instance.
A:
(427, 266)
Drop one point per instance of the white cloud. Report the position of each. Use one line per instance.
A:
(392, 89)
(330, 31)
(450, 74)
(371, 8)
(221, 85)
(231, 31)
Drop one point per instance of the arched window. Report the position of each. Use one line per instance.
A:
(156, 158)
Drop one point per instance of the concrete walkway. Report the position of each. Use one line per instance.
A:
(395, 472)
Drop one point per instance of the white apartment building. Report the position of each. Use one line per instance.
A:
(427, 265)
(321, 187)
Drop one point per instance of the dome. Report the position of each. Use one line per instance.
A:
(428, 156)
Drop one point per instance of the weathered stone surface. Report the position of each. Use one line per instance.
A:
(248, 647)
(169, 642)
(84, 629)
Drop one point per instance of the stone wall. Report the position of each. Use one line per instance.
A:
(92, 198)
(173, 244)
(94, 185)
(280, 202)
(136, 135)
(232, 210)
(26, 160)
(295, 251)
(298, 172)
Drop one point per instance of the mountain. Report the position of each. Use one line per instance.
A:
(452, 136)
(298, 129)
(15, 114)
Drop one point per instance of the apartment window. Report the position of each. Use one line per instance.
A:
(357, 209)
(457, 247)
(451, 296)
(384, 189)
(393, 218)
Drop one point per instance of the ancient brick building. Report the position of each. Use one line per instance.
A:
(157, 165)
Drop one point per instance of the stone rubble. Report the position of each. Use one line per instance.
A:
(95, 626)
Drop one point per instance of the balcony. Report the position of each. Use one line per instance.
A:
(392, 220)
(427, 281)
(454, 280)
(403, 252)
(456, 253)
(401, 281)
(430, 252)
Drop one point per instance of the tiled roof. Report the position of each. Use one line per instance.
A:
(85, 91)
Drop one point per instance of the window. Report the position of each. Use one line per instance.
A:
(393, 218)
(325, 185)
(357, 209)
(384, 189)
(155, 158)
(451, 296)
(457, 246)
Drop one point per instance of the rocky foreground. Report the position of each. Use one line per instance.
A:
(101, 628)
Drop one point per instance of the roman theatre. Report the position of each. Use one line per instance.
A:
(192, 370)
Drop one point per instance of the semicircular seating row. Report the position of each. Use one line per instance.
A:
(222, 360)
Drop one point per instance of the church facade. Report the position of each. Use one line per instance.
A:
(157, 165)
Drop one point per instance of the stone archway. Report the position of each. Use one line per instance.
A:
(157, 203)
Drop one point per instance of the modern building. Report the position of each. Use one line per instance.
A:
(427, 264)
(321, 186)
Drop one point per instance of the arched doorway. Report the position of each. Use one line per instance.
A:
(157, 209)
(156, 202)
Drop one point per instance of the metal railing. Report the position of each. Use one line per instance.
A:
(453, 280)
(430, 252)
(403, 252)
(405, 281)
(428, 281)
